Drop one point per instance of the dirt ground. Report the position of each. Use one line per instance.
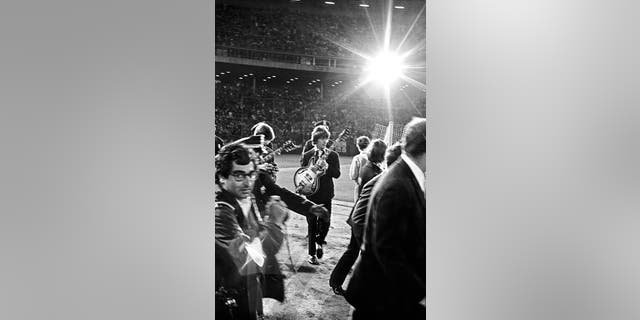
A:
(308, 295)
(307, 291)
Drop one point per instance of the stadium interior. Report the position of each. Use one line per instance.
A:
(291, 63)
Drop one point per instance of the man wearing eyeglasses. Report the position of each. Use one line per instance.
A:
(265, 186)
(246, 240)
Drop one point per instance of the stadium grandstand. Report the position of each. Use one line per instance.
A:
(291, 63)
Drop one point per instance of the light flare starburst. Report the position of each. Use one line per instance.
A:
(387, 66)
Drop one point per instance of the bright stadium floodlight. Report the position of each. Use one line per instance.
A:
(385, 68)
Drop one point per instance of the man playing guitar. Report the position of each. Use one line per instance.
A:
(326, 161)
(262, 128)
(308, 145)
(265, 186)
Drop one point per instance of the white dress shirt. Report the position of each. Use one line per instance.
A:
(245, 204)
(415, 169)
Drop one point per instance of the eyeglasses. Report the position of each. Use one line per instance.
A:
(239, 176)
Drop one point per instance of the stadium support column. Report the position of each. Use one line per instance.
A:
(254, 85)
(321, 90)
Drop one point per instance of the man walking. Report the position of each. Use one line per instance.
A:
(389, 280)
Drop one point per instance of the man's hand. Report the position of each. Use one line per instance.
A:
(265, 167)
(277, 210)
(322, 165)
(319, 211)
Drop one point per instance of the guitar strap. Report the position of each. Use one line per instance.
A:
(314, 157)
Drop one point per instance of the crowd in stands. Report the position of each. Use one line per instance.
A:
(291, 110)
(307, 33)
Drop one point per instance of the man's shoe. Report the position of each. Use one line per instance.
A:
(338, 290)
(319, 251)
(313, 260)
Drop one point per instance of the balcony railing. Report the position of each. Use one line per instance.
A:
(293, 58)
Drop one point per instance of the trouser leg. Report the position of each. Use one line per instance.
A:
(323, 226)
(312, 230)
(254, 295)
(345, 263)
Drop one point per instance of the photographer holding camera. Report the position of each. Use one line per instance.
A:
(246, 239)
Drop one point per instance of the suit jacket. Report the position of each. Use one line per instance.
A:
(358, 215)
(367, 173)
(265, 187)
(232, 232)
(325, 190)
(309, 145)
(392, 271)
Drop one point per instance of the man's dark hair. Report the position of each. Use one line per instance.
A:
(320, 132)
(414, 139)
(321, 123)
(264, 129)
(362, 142)
(225, 158)
(376, 151)
(393, 153)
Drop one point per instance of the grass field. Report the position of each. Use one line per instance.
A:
(289, 163)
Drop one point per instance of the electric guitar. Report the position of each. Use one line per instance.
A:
(286, 147)
(306, 179)
(271, 168)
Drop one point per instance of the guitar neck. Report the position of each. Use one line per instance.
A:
(275, 152)
(271, 154)
(333, 145)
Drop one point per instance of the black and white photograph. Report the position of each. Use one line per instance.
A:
(320, 130)
(319, 159)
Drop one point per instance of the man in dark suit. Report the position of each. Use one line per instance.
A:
(265, 186)
(389, 280)
(262, 128)
(359, 213)
(246, 239)
(375, 156)
(357, 221)
(308, 145)
(328, 162)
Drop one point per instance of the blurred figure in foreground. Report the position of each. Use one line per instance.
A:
(246, 240)
(357, 221)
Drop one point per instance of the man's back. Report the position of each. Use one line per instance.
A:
(357, 218)
(391, 271)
